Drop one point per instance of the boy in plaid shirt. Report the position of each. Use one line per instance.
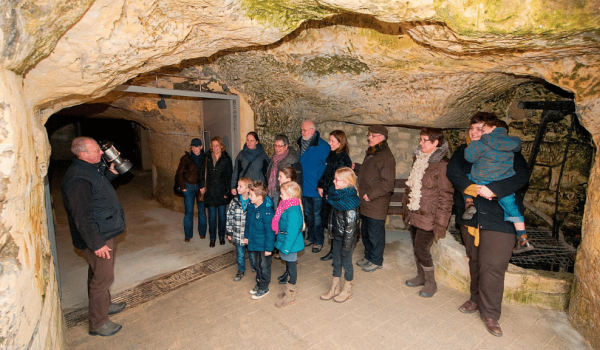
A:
(236, 222)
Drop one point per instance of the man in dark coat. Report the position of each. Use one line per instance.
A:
(95, 218)
(375, 184)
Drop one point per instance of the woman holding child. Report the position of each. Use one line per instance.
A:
(489, 240)
(427, 205)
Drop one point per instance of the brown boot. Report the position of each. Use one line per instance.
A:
(345, 294)
(335, 289)
(419, 280)
(430, 286)
(290, 296)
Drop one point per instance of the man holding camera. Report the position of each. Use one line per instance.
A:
(96, 218)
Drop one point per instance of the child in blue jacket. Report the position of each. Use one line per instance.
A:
(287, 224)
(260, 237)
(492, 157)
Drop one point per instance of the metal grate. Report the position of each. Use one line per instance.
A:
(147, 291)
(549, 254)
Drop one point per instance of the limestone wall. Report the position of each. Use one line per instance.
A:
(30, 312)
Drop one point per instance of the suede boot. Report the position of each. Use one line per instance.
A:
(289, 297)
(430, 286)
(335, 289)
(345, 294)
(420, 279)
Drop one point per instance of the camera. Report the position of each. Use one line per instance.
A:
(111, 155)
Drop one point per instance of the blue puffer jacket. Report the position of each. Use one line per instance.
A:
(313, 162)
(289, 239)
(259, 233)
(493, 156)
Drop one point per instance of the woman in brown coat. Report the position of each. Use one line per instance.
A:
(427, 205)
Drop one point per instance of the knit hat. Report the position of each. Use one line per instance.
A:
(196, 142)
(379, 129)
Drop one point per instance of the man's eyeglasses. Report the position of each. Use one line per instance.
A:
(372, 136)
(278, 146)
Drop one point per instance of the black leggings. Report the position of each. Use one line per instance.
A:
(290, 266)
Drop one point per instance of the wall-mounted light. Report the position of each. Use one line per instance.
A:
(162, 104)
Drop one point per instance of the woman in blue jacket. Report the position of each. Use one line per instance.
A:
(287, 224)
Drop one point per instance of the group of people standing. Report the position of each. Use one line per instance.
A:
(264, 204)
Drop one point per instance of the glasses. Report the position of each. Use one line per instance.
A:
(338, 180)
(306, 130)
(372, 136)
(424, 140)
(278, 146)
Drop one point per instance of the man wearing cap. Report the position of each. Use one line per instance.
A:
(96, 218)
(313, 152)
(190, 178)
(375, 185)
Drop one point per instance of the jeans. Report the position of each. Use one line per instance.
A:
(508, 204)
(240, 255)
(312, 211)
(263, 270)
(373, 237)
(212, 222)
(341, 259)
(189, 197)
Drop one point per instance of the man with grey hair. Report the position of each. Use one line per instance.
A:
(96, 218)
(313, 154)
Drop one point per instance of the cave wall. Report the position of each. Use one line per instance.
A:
(430, 63)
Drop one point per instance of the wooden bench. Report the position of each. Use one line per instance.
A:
(395, 207)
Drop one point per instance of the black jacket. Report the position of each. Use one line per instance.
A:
(93, 208)
(344, 224)
(218, 179)
(187, 172)
(489, 216)
(334, 162)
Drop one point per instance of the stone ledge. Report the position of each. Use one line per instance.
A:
(543, 289)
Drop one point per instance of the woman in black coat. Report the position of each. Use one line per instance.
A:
(218, 179)
(338, 158)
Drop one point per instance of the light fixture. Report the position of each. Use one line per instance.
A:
(162, 104)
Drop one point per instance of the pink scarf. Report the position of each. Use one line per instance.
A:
(283, 205)
(272, 185)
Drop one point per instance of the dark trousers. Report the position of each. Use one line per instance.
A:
(373, 237)
(101, 274)
(341, 259)
(292, 269)
(421, 241)
(190, 196)
(487, 265)
(312, 211)
(263, 269)
(212, 222)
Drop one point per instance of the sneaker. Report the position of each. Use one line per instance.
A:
(362, 262)
(317, 248)
(108, 329)
(371, 267)
(522, 245)
(254, 290)
(259, 294)
(238, 276)
(470, 210)
(307, 243)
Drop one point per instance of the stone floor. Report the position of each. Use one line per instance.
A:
(216, 313)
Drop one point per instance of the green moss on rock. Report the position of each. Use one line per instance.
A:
(328, 65)
(286, 15)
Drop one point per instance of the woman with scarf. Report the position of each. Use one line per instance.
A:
(285, 156)
(343, 198)
(190, 177)
(338, 158)
(251, 162)
(427, 205)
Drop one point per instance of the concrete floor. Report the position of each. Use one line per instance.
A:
(217, 313)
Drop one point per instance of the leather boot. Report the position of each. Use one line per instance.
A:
(345, 294)
(430, 286)
(419, 280)
(335, 289)
(283, 278)
(329, 255)
(289, 297)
